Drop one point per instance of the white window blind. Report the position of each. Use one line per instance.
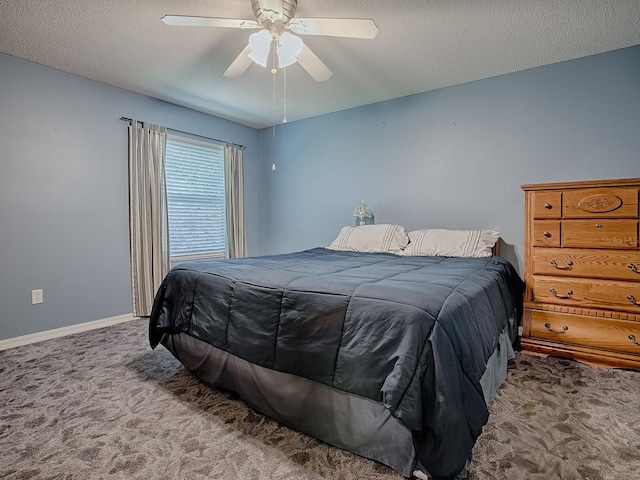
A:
(196, 199)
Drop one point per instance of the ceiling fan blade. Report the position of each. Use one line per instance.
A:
(313, 65)
(240, 64)
(272, 9)
(186, 21)
(335, 27)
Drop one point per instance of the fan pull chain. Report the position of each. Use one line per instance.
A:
(284, 95)
(273, 109)
(273, 97)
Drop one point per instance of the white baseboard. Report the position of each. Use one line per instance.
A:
(61, 332)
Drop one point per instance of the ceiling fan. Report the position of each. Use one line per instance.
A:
(274, 18)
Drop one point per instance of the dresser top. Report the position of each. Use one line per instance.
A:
(583, 184)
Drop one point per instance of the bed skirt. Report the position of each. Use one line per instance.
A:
(351, 422)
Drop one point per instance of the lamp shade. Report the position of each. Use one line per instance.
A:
(289, 47)
(260, 43)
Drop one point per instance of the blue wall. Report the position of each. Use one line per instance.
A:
(452, 158)
(455, 157)
(64, 215)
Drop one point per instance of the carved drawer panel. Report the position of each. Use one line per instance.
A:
(600, 203)
(597, 233)
(587, 293)
(546, 233)
(547, 204)
(623, 265)
(608, 334)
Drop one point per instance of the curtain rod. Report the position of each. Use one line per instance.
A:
(187, 133)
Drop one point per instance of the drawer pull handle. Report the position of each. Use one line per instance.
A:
(548, 206)
(548, 327)
(568, 295)
(598, 225)
(547, 234)
(633, 339)
(633, 268)
(565, 267)
(632, 299)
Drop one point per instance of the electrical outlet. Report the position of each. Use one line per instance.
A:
(36, 297)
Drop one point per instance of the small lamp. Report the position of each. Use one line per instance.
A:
(362, 212)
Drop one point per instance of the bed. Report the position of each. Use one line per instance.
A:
(388, 353)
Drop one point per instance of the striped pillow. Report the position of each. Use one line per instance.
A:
(451, 243)
(385, 238)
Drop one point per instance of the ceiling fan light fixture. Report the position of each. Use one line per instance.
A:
(289, 47)
(260, 43)
(273, 17)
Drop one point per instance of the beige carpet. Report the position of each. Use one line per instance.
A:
(102, 405)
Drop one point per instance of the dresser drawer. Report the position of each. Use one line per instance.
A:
(587, 293)
(621, 202)
(614, 264)
(598, 233)
(547, 204)
(546, 233)
(607, 334)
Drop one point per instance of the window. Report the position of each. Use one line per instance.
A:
(196, 199)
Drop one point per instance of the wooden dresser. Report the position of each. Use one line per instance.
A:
(582, 271)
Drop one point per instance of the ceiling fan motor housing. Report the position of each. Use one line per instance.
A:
(266, 17)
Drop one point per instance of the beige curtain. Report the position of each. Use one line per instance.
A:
(234, 189)
(148, 219)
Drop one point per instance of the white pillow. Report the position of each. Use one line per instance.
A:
(386, 238)
(451, 243)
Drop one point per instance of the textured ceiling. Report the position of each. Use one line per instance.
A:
(421, 45)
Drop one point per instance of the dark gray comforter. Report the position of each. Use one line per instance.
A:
(411, 332)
